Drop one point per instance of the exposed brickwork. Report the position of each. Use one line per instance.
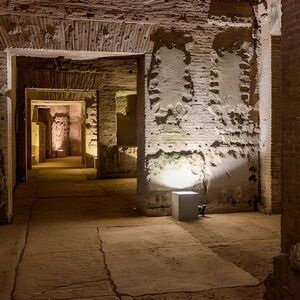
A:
(185, 124)
(290, 124)
(269, 72)
(284, 284)
(276, 124)
(230, 8)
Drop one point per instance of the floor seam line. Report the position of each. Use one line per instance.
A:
(25, 244)
(67, 286)
(108, 273)
(193, 292)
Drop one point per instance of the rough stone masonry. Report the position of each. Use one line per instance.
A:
(194, 66)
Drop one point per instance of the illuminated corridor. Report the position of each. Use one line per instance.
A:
(150, 150)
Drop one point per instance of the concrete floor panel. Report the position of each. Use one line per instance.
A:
(69, 189)
(12, 238)
(40, 274)
(74, 237)
(46, 240)
(73, 204)
(145, 237)
(164, 259)
(61, 175)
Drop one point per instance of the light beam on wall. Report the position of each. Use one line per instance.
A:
(179, 177)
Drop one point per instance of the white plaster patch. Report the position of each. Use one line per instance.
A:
(91, 129)
(169, 80)
(229, 78)
(171, 88)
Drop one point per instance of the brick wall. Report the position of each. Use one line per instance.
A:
(276, 124)
(283, 284)
(290, 124)
(269, 78)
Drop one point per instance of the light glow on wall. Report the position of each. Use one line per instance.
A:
(176, 171)
(178, 177)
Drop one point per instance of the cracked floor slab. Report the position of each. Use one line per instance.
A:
(68, 244)
(10, 250)
(61, 273)
(162, 259)
(42, 240)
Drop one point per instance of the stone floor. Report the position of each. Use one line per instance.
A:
(74, 237)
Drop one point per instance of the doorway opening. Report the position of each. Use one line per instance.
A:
(121, 158)
(89, 109)
(58, 127)
(57, 131)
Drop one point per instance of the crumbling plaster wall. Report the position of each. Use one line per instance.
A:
(182, 125)
(204, 135)
(75, 129)
(60, 128)
(233, 103)
(66, 128)
(91, 132)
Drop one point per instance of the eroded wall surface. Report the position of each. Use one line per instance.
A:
(75, 134)
(60, 128)
(203, 135)
(66, 128)
(201, 115)
(91, 132)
